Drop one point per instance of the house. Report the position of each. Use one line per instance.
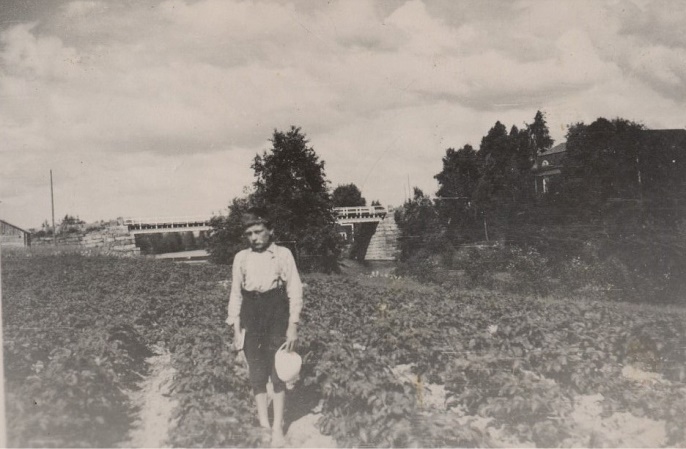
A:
(547, 166)
(11, 235)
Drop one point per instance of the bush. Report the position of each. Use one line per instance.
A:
(482, 263)
(94, 227)
(525, 269)
(508, 267)
(529, 271)
(423, 267)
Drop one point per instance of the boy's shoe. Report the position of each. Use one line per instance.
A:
(278, 439)
(265, 436)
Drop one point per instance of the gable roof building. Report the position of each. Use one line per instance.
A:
(11, 235)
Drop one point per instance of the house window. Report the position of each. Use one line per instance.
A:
(545, 184)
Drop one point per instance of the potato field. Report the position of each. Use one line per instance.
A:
(387, 361)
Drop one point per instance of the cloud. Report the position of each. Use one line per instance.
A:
(663, 68)
(29, 56)
(658, 21)
(79, 9)
(142, 106)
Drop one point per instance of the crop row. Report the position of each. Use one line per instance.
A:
(518, 361)
(70, 351)
(78, 329)
(76, 335)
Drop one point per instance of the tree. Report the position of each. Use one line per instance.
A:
(608, 179)
(460, 173)
(493, 184)
(497, 192)
(662, 172)
(348, 195)
(290, 183)
(226, 236)
(602, 162)
(495, 156)
(69, 220)
(529, 142)
(70, 224)
(538, 138)
(421, 232)
(457, 182)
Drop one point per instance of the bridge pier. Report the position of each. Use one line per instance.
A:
(383, 242)
(383, 246)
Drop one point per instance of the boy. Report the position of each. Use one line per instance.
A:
(265, 300)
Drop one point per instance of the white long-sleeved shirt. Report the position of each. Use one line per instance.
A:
(261, 271)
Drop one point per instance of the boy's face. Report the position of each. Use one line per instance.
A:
(259, 236)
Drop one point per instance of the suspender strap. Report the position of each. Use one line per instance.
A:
(280, 284)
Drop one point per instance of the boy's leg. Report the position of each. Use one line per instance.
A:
(279, 402)
(262, 413)
(277, 338)
(258, 362)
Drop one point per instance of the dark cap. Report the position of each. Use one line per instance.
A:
(254, 216)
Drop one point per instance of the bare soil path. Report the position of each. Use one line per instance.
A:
(305, 433)
(151, 429)
(155, 406)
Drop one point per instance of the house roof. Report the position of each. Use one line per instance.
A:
(13, 226)
(559, 148)
(551, 159)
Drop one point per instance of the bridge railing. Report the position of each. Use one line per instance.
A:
(157, 221)
(360, 212)
(339, 212)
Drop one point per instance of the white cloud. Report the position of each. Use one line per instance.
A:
(80, 8)
(662, 67)
(160, 105)
(30, 56)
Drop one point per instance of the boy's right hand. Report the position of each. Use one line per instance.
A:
(238, 335)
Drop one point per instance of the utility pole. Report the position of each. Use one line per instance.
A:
(409, 188)
(52, 201)
(3, 425)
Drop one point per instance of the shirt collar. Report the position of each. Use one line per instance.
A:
(271, 249)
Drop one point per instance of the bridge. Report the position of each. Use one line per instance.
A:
(381, 247)
(344, 215)
(153, 225)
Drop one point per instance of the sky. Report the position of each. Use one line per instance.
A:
(156, 108)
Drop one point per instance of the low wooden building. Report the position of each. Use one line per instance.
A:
(11, 235)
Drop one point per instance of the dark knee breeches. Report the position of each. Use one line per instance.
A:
(265, 318)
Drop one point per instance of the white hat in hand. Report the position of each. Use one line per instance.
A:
(287, 365)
